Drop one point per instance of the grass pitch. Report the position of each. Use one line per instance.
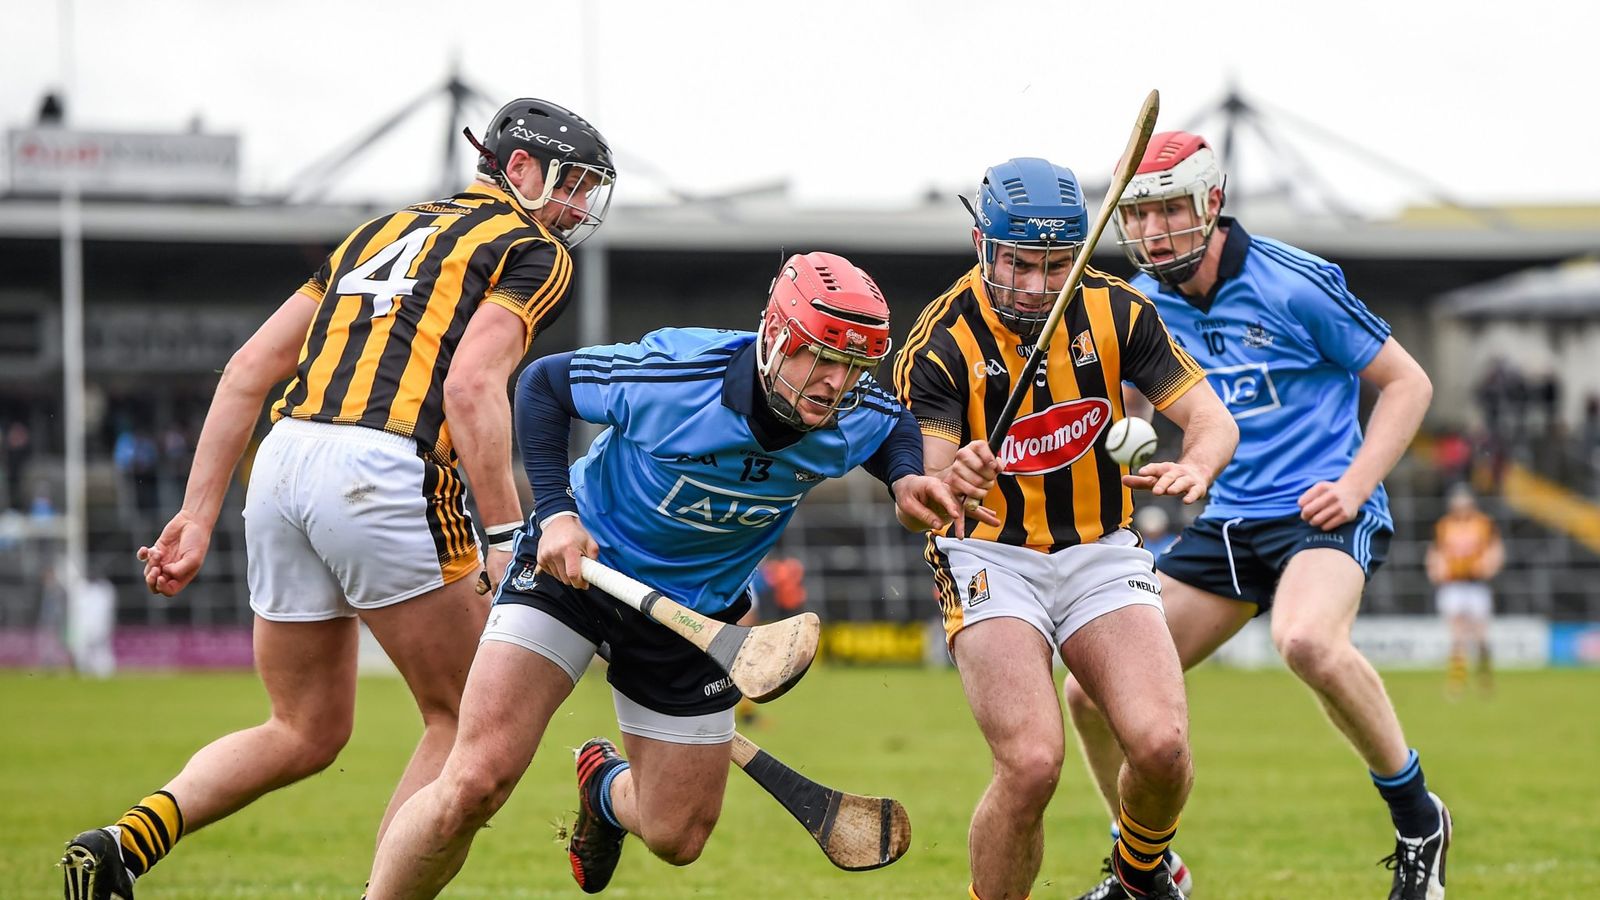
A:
(1281, 808)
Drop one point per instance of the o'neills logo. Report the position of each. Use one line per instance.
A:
(1056, 438)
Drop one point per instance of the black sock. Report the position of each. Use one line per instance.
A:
(1406, 792)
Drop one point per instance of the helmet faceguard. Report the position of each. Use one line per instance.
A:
(1024, 207)
(821, 310)
(1155, 235)
(576, 161)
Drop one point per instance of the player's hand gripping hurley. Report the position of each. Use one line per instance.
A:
(763, 661)
(855, 832)
(1143, 127)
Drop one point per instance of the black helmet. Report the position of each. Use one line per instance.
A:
(564, 141)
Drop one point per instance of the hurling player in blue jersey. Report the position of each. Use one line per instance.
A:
(714, 438)
(1299, 520)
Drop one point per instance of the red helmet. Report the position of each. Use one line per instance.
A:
(1176, 164)
(822, 303)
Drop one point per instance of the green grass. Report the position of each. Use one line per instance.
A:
(1281, 808)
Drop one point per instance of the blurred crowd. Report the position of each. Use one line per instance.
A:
(1521, 419)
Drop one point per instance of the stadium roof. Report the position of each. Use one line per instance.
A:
(1568, 291)
(763, 222)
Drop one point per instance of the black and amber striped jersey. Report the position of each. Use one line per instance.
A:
(395, 298)
(1462, 542)
(1058, 487)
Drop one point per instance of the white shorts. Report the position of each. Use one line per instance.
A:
(1465, 598)
(1057, 593)
(538, 631)
(340, 518)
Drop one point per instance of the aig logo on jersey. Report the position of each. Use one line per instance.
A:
(1246, 390)
(1056, 438)
(978, 588)
(708, 508)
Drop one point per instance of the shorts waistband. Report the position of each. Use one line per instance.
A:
(327, 431)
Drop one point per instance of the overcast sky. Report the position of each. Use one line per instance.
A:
(854, 102)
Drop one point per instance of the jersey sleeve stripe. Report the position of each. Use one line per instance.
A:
(879, 407)
(599, 367)
(934, 358)
(617, 379)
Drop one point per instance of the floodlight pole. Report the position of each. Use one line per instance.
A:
(72, 424)
(72, 381)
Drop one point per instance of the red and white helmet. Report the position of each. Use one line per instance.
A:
(822, 304)
(1175, 164)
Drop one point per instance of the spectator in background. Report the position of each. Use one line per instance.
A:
(91, 620)
(1589, 445)
(1452, 457)
(43, 506)
(137, 458)
(1503, 395)
(18, 446)
(1465, 554)
(1544, 397)
(50, 648)
(174, 462)
(1591, 423)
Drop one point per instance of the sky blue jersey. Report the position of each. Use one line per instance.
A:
(1281, 340)
(678, 491)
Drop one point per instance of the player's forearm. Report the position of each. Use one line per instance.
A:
(1209, 438)
(900, 454)
(229, 423)
(480, 429)
(1395, 419)
(545, 410)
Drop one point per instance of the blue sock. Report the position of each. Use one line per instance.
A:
(1406, 792)
(605, 793)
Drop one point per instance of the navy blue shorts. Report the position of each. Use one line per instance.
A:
(649, 663)
(1241, 559)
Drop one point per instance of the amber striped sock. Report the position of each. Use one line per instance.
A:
(148, 831)
(1140, 849)
(1456, 672)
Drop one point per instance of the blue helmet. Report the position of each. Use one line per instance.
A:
(1027, 204)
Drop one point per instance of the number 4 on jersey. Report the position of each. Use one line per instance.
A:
(398, 257)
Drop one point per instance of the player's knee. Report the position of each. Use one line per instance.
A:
(680, 845)
(1161, 756)
(1311, 655)
(475, 791)
(1030, 771)
(316, 743)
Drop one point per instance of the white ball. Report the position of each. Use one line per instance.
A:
(1131, 442)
